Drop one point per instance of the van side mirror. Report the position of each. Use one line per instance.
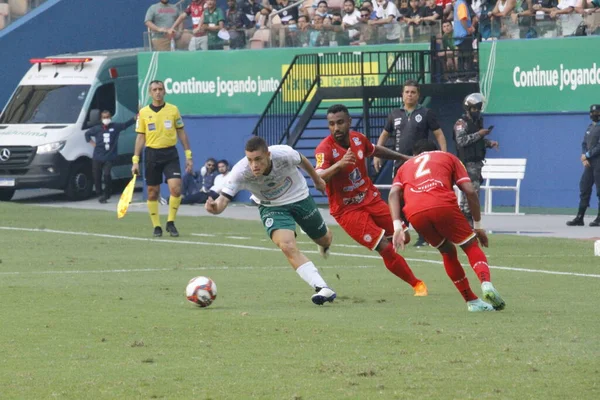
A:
(94, 117)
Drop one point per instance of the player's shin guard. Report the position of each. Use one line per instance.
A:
(478, 261)
(174, 203)
(397, 265)
(153, 210)
(456, 272)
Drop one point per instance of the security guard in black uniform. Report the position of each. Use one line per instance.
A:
(471, 144)
(590, 158)
(409, 124)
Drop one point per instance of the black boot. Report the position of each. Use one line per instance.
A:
(578, 220)
(596, 222)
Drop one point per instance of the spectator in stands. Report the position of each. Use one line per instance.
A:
(323, 10)
(414, 15)
(500, 19)
(368, 4)
(337, 35)
(565, 17)
(447, 53)
(289, 16)
(208, 173)
(431, 13)
(191, 187)
(586, 7)
(543, 8)
(235, 22)
(195, 10)
(301, 37)
(318, 38)
(367, 32)
(463, 39)
(223, 168)
(522, 15)
(160, 19)
(214, 21)
(251, 8)
(388, 13)
(196, 196)
(351, 20)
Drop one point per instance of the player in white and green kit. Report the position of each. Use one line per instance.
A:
(271, 174)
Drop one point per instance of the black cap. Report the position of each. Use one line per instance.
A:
(594, 107)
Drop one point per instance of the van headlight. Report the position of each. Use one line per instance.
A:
(51, 147)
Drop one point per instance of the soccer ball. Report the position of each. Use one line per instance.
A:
(201, 291)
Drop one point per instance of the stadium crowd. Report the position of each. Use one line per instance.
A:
(204, 25)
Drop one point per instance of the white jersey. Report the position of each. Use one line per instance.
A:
(285, 184)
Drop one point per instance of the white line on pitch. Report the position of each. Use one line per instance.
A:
(206, 268)
(239, 246)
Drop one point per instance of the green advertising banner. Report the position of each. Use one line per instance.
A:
(550, 75)
(232, 82)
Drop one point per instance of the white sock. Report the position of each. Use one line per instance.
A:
(309, 273)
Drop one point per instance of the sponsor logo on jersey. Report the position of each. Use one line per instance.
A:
(355, 200)
(356, 179)
(278, 190)
(320, 159)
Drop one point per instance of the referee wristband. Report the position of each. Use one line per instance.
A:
(135, 159)
(398, 225)
(477, 225)
(188, 154)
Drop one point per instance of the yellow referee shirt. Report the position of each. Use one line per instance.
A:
(159, 127)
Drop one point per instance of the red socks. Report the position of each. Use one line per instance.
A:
(456, 272)
(397, 265)
(478, 261)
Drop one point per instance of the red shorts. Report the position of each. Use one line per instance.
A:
(368, 224)
(442, 223)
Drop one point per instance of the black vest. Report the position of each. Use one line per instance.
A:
(475, 151)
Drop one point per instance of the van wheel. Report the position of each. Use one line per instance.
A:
(6, 194)
(80, 182)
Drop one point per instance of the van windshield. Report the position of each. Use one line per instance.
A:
(45, 104)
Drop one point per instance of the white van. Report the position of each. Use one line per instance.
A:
(42, 127)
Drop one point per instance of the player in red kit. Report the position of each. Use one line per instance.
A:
(424, 185)
(354, 201)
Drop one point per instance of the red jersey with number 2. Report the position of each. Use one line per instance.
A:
(351, 187)
(428, 180)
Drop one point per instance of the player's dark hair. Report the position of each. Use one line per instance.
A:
(223, 162)
(156, 81)
(423, 145)
(411, 82)
(336, 108)
(105, 112)
(256, 143)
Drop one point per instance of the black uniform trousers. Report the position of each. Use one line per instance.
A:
(101, 169)
(590, 176)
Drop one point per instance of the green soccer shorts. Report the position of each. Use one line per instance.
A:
(304, 213)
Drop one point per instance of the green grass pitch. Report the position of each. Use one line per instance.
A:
(92, 308)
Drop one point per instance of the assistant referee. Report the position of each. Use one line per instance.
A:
(158, 127)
